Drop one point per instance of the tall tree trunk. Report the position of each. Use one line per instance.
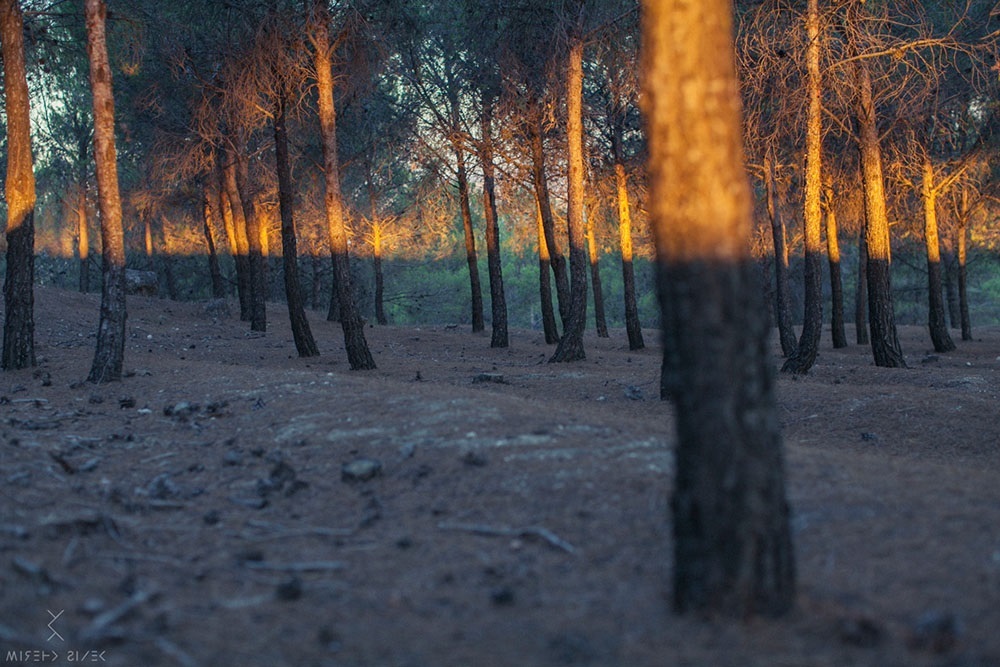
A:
(540, 181)
(358, 355)
(379, 280)
(936, 314)
(950, 265)
(109, 354)
(570, 346)
(214, 270)
(836, 283)
(317, 278)
(305, 344)
(633, 327)
(255, 248)
(498, 301)
(812, 324)
(19, 280)
(544, 282)
(861, 290)
(881, 317)
(239, 234)
(83, 231)
(782, 307)
(732, 541)
(472, 259)
(600, 320)
(961, 242)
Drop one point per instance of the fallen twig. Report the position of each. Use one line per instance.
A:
(528, 531)
(100, 625)
(175, 652)
(309, 566)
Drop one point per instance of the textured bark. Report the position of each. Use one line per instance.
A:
(358, 355)
(783, 311)
(963, 295)
(861, 292)
(255, 249)
(950, 269)
(19, 279)
(936, 322)
(214, 270)
(812, 323)
(110, 350)
(471, 258)
(570, 346)
(836, 282)
(83, 230)
(237, 227)
(379, 283)
(498, 301)
(541, 184)
(305, 344)
(600, 320)
(633, 328)
(881, 317)
(732, 542)
(545, 283)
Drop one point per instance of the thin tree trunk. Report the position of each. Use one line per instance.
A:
(836, 283)
(783, 312)
(498, 301)
(540, 181)
(83, 231)
(358, 355)
(950, 265)
(380, 316)
(600, 320)
(238, 235)
(109, 354)
(812, 324)
(305, 344)
(881, 317)
(861, 290)
(963, 295)
(214, 270)
(633, 327)
(570, 346)
(255, 248)
(472, 259)
(936, 314)
(732, 540)
(317, 276)
(544, 282)
(19, 282)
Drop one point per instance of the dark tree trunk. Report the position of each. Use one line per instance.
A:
(783, 311)
(83, 231)
(836, 283)
(168, 273)
(239, 235)
(600, 321)
(472, 259)
(379, 287)
(333, 313)
(633, 328)
(305, 344)
(255, 250)
(861, 291)
(963, 295)
(109, 353)
(214, 270)
(317, 280)
(936, 314)
(19, 280)
(950, 265)
(544, 283)
(498, 301)
(570, 346)
(540, 181)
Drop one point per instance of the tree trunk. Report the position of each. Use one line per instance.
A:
(255, 249)
(786, 329)
(812, 323)
(936, 314)
(214, 270)
(498, 301)
(544, 282)
(19, 282)
(963, 295)
(861, 291)
(478, 322)
(570, 346)
(358, 355)
(881, 318)
(305, 344)
(147, 228)
(317, 276)
(836, 283)
(732, 541)
(238, 232)
(379, 282)
(600, 320)
(633, 328)
(109, 354)
(83, 231)
(950, 265)
(540, 181)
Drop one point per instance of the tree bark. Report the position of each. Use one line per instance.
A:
(237, 226)
(812, 323)
(950, 266)
(214, 270)
(305, 344)
(379, 281)
(633, 328)
(498, 301)
(472, 259)
(936, 321)
(255, 249)
(836, 282)
(786, 329)
(540, 181)
(600, 320)
(732, 541)
(570, 346)
(19, 279)
(358, 355)
(109, 354)
(961, 242)
(544, 281)
(861, 291)
(83, 231)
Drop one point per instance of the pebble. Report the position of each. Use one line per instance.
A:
(361, 470)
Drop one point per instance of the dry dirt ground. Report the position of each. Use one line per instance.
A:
(199, 511)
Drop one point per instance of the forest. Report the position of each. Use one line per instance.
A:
(536, 332)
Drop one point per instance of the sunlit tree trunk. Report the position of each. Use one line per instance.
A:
(861, 290)
(544, 282)
(812, 324)
(358, 355)
(936, 314)
(540, 180)
(836, 283)
(782, 307)
(600, 320)
(732, 542)
(255, 248)
(881, 317)
(498, 301)
(305, 344)
(110, 352)
(236, 225)
(633, 328)
(214, 270)
(570, 346)
(147, 227)
(83, 231)
(167, 262)
(19, 280)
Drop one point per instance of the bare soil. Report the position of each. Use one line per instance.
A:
(199, 513)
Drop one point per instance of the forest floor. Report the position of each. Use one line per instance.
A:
(200, 513)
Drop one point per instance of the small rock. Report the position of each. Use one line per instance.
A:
(361, 470)
(502, 597)
(935, 631)
(95, 399)
(181, 410)
(930, 359)
(474, 458)
(126, 402)
(289, 590)
(211, 518)
(496, 378)
(257, 503)
(162, 487)
(233, 457)
(634, 393)
(860, 631)
(869, 437)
